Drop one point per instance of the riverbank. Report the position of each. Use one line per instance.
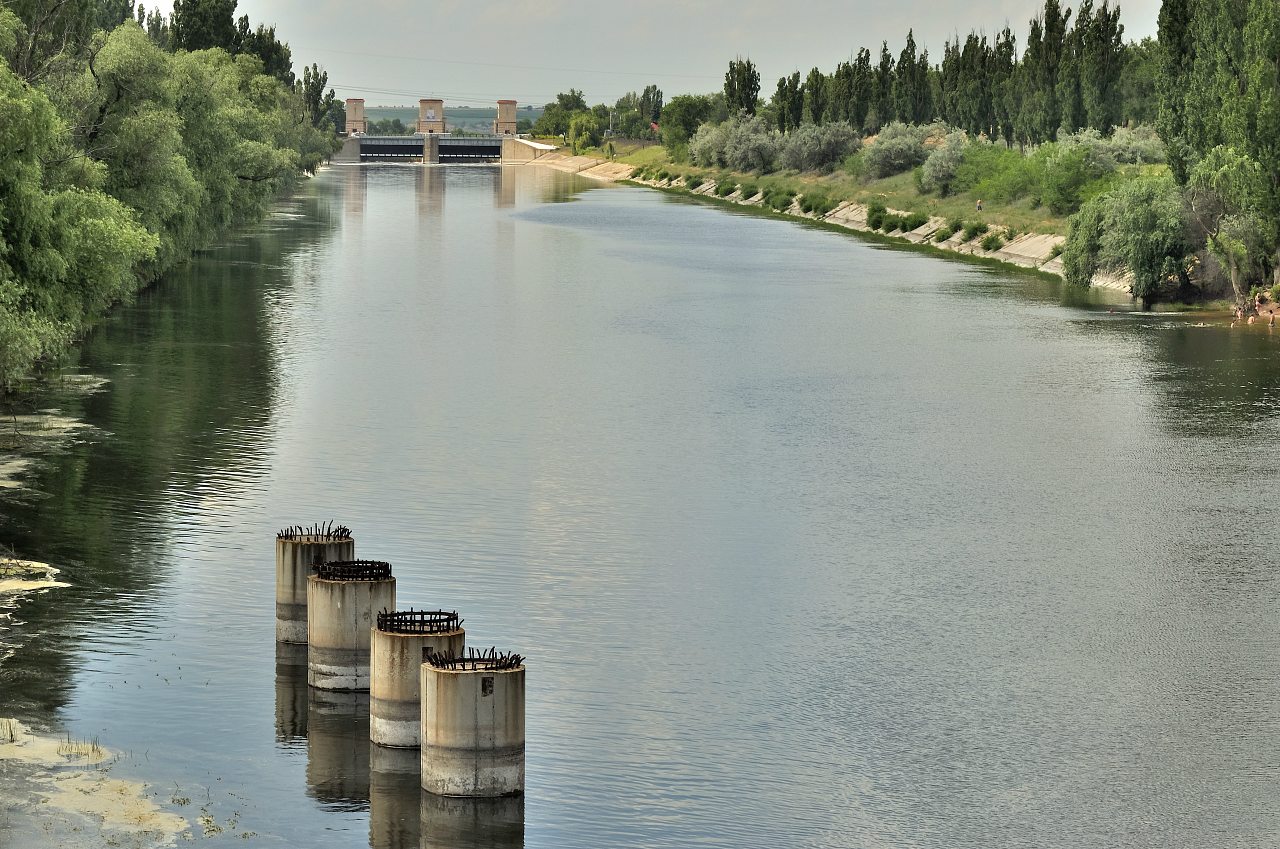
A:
(994, 242)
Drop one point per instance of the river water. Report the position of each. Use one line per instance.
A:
(809, 542)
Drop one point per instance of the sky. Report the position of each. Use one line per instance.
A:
(473, 52)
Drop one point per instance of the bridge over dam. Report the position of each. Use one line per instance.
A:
(433, 143)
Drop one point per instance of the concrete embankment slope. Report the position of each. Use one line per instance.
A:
(587, 166)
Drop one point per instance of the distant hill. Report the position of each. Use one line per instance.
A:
(475, 119)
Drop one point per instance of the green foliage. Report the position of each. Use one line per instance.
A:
(779, 199)
(125, 164)
(945, 232)
(915, 221)
(939, 170)
(694, 181)
(818, 148)
(584, 131)
(993, 242)
(876, 213)
(898, 148)
(749, 190)
(816, 203)
(741, 87)
(974, 229)
(726, 187)
(681, 119)
(1139, 228)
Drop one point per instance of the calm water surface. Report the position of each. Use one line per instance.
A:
(809, 542)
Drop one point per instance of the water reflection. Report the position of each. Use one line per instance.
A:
(357, 191)
(394, 798)
(429, 191)
(291, 694)
(504, 188)
(449, 822)
(338, 749)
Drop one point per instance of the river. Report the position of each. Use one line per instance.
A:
(809, 542)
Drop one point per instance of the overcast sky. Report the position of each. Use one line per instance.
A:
(472, 52)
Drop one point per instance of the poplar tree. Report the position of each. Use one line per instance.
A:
(862, 89)
(882, 90)
(742, 86)
(815, 96)
(1101, 64)
(1175, 55)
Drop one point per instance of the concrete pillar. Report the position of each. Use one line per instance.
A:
(506, 123)
(395, 798)
(398, 645)
(451, 822)
(341, 600)
(430, 116)
(298, 552)
(338, 748)
(356, 122)
(473, 725)
(291, 694)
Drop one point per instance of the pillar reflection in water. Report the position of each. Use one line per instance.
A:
(338, 749)
(453, 822)
(395, 790)
(429, 191)
(291, 694)
(504, 187)
(356, 190)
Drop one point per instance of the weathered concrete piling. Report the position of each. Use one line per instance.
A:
(341, 600)
(473, 724)
(299, 551)
(399, 643)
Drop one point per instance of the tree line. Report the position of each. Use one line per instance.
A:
(1218, 72)
(127, 141)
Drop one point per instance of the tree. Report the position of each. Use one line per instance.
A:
(742, 86)
(681, 118)
(788, 102)
(882, 92)
(1175, 56)
(318, 103)
(201, 24)
(911, 98)
(1224, 195)
(571, 101)
(1139, 228)
(584, 131)
(815, 96)
(1101, 55)
(649, 104)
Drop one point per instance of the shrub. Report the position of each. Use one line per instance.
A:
(875, 215)
(750, 145)
(706, 148)
(939, 170)
(973, 230)
(724, 188)
(663, 175)
(1137, 146)
(992, 242)
(818, 148)
(693, 181)
(892, 223)
(994, 172)
(915, 221)
(816, 203)
(1056, 252)
(779, 199)
(749, 190)
(898, 148)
